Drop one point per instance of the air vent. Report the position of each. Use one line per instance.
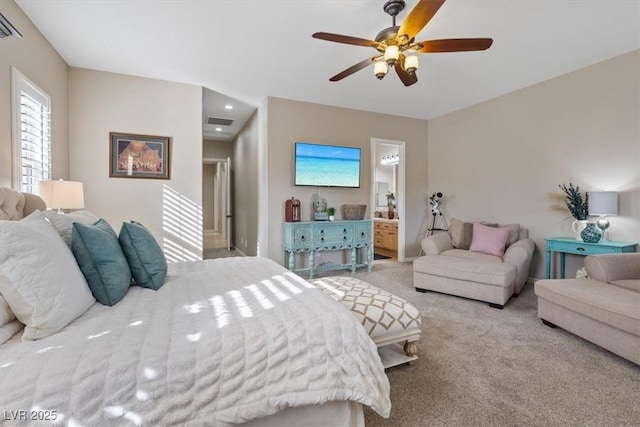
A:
(219, 121)
(6, 29)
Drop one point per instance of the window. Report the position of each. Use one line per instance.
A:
(31, 133)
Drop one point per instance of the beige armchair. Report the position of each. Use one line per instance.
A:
(452, 267)
(603, 308)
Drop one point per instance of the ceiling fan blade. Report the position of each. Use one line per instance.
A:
(338, 38)
(454, 45)
(419, 17)
(359, 66)
(407, 78)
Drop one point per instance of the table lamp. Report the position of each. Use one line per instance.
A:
(62, 194)
(603, 203)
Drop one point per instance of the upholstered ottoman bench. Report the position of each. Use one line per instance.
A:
(392, 323)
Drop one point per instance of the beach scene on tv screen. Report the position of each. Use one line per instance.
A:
(327, 165)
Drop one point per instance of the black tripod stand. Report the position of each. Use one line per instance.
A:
(438, 221)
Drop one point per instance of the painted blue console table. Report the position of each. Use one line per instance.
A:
(315, 236)
(568, 245)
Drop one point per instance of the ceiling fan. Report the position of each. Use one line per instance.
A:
(396, 45)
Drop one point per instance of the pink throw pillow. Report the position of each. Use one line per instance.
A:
(489, 240)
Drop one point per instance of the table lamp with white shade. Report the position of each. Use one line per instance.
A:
(603, 204)
(62, 194)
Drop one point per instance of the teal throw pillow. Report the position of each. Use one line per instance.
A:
(146, 259)
(101, 260)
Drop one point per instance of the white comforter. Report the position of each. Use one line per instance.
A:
(223, 341)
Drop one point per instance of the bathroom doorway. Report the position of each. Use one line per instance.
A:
(388, 198)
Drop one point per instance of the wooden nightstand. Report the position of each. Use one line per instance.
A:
(568, 245)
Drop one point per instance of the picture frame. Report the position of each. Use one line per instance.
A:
(139, 156)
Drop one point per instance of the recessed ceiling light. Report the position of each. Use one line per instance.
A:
(219, 129)
(228, 107)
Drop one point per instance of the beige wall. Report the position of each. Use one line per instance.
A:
(217, 149)
(34, 57)
(105, 102)
(503, 159)
(291, 121)
(246, 187)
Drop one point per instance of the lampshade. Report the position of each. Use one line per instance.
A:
(603, 203)
(380, 69)
(391, 54)
(62, 194)
(411, 64)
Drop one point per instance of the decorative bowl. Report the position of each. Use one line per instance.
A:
(353, 212)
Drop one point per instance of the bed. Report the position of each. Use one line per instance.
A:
(222, 342)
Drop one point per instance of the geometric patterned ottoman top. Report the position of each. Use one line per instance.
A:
(381, 313)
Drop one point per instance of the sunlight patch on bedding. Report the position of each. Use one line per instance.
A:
(294, 277)
(6, 365)
(274, 290)
(194, 308)
(220, 308)
(142, 396)
(90, 337)
(194, 337)
(262, 299)
(74, 423)
(287, 284)
(46, 349)
(119, 411)
(136, 323)
(150, 373)
(243, 308)
(181, 226)
(326, 285)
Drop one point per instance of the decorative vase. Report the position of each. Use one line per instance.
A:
(578, 225)
(590, 234)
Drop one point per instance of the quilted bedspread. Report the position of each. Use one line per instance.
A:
(222, 342)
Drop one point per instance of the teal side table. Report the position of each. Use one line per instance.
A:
(568, 245)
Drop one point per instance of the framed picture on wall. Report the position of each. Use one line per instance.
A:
(139, 156)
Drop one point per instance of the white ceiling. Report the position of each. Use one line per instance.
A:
(245, 50)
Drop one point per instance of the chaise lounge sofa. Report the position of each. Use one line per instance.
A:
(603, 308)
(481, 261)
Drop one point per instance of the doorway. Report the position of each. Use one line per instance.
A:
(216, 205)
(388, 198)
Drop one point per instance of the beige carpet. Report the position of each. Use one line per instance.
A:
(480, 366)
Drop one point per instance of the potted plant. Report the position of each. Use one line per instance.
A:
(331, 212)
(578, 207)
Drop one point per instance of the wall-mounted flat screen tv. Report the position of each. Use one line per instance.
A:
(326, 165)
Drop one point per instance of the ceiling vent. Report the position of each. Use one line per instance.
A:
(6, 29)
(219, 121)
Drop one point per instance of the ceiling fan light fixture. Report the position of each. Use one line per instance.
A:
(380, 69)
(391, 54)
(411, 64)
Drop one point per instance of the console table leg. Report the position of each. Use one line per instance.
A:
(312, 263)
(369, 258)
(562, 265)
(548, 264)
(292, 261)
(353, 259)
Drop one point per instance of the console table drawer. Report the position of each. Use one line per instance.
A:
(580, 248)
(333, 235)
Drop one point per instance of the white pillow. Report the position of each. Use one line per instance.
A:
(63, 223)
(6, 315)
(9, 330)
(39, 277)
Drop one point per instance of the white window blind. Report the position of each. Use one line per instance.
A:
(32, 134)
